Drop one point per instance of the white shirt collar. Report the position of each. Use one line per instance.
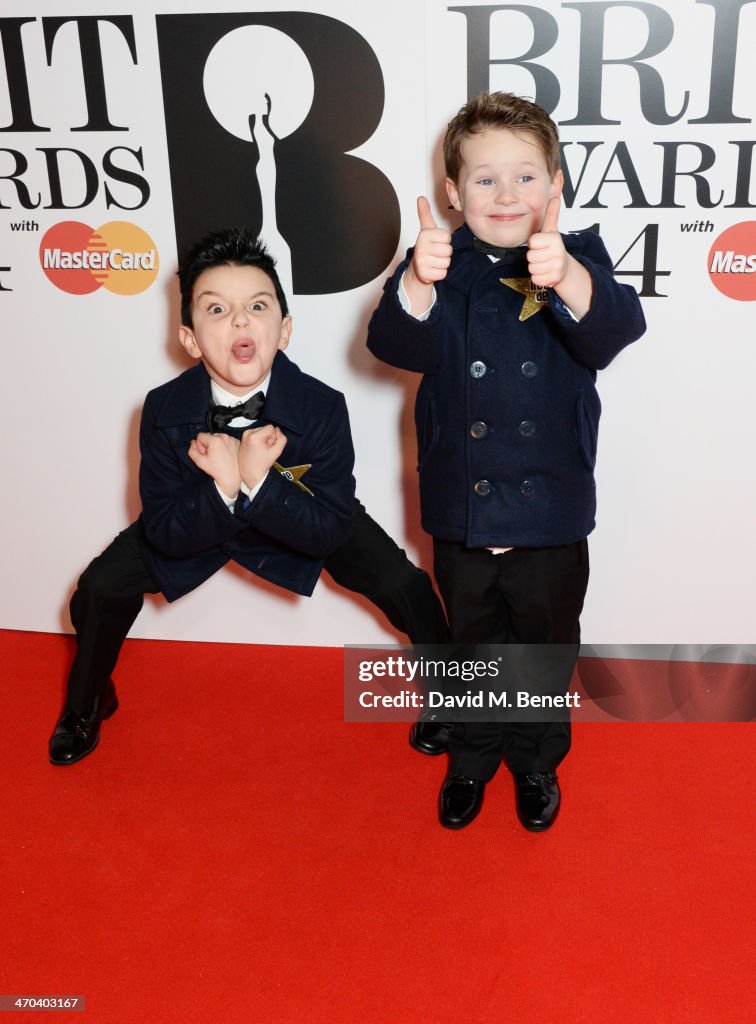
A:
(223, 397)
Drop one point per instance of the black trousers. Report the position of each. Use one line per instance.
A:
(110, 594)
(524, 596)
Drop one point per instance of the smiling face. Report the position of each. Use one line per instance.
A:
(504, 186)
(237, 326)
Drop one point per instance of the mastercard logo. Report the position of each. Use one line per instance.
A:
(117, 256)
(732, 262)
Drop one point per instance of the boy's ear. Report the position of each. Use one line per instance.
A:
(453, 193)
(189, 342)
(286, 326)
(557, 184)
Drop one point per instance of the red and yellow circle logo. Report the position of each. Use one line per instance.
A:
(117, 256)
(732, 262)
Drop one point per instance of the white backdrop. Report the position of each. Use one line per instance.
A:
(674, 554)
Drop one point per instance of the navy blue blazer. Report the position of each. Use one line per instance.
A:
(284, 534)
(507, 412)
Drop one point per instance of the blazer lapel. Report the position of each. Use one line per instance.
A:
(189, 400)
(284, 403)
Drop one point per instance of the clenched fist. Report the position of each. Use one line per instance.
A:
(218, 456)
(260, 448)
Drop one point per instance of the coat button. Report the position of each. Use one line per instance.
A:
(527, 428)
(478, 430)
(527, 488)
(529, 368)
(483, 488)
(478, 369)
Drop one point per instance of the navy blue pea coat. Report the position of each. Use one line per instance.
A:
(507, 412)
(284, 534)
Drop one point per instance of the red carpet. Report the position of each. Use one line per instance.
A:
(234, 852)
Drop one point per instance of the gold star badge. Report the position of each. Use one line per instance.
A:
(535, 298)
(294, 474)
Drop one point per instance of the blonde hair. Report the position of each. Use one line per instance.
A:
(500, 110)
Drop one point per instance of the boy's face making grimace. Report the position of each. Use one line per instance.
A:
(504, 186)
(237, 326)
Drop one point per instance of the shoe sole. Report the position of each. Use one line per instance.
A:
(462, 824)
(537, 828)
(424, 750)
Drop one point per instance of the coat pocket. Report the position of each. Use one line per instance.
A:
(587, 414)
(427, 430)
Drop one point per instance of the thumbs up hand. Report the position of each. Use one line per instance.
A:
(548, 261)
(551, 266)
(433, 251)
(551, 220)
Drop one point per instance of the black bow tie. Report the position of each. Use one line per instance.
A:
(497, 250)
(219, 416)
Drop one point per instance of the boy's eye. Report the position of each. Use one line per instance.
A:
(215, 308)
(525, 178)
(257, 306)
(485, 181)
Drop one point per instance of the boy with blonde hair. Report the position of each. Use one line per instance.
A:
(508, 321)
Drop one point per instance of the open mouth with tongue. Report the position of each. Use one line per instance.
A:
(243, 350)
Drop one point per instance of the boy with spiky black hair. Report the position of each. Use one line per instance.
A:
(244, 458)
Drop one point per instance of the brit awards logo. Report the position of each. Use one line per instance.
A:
(263, 115)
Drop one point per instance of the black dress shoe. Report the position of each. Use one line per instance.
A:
(537, 800)
(460, 801)
(430, 736)
(75, 735)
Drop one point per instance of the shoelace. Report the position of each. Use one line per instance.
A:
(538, 781)
(463, 780)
